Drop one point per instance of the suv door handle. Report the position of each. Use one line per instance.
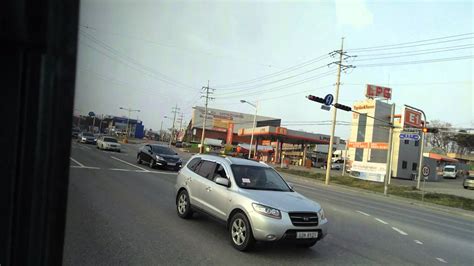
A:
(209, 189)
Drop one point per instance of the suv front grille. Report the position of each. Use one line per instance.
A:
(304, 218)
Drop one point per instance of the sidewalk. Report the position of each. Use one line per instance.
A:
(445, 186)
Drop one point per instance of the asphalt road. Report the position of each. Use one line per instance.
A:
(121, 213)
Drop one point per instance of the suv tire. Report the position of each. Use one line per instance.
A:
(240, 232)
(139, 159)
(183, 206)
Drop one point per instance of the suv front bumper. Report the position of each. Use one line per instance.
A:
(271, 229)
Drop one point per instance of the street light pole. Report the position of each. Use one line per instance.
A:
(422, 144)
(253, 126)
(388, 170)
(128, 117)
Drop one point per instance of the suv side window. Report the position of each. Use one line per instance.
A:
(220, 171)
(193, 163)
(206, 169)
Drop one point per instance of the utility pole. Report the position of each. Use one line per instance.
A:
(388, 170)
(174, 111)
(334, 113)
(208, 91)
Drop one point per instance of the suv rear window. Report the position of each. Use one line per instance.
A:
(193, 163)
(206, 169)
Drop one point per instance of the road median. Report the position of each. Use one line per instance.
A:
(409, 192)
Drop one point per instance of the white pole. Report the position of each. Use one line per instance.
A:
(334, 115)
(388, 170)
(253, 129)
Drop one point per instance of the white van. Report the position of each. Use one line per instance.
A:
(450, 171)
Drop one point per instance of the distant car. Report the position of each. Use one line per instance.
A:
(450, 171)
(75, 133)
(179, 144)
(86, 137)
(251, 198)
(108, 143)
(468, 182)
(159, 155)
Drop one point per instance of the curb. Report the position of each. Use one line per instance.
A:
(451, 210)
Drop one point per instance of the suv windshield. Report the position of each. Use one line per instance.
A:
(110, 140)
(162, 150)
(449, 169)
(260, 178)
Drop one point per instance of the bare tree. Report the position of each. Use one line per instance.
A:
(443, 139)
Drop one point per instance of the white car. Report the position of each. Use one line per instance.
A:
(108, 143)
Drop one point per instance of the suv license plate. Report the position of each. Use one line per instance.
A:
(171, 164)
(306, 234)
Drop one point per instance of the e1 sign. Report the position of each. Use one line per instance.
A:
(412, 118)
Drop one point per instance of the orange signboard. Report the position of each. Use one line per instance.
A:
(266, 142)
(368, 145)
(358, 145)
(379, 145)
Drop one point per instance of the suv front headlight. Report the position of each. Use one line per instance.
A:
(159, 158)
(267, 211)
(321, 214)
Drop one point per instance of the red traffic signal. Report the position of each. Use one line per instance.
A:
(315, 99)
(430, 130)
(343, 107)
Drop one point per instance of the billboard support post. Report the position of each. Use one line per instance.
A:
(388, 172)
(422, 145)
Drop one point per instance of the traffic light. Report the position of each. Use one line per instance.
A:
(315, 99)
(430, 130)
(343, 107)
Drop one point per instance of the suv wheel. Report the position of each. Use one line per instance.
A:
(139, 159)
(183, 206)
(240, 232)
(152, 163)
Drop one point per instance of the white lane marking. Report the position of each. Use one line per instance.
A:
(165, 173)
(125, 162)
(78, 163)
(363, 213)
(84, 167)
(381, 221)
(399, 231)
(442, 260)
(124, 170)
(418, 242)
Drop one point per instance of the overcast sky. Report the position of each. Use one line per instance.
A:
(152, 55)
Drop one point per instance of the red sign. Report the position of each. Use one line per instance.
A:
(362, 145)
(374, 91)
(412, 118)
(230, 133)
(379, 145)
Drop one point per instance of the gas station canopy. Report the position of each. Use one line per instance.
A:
(285, 135)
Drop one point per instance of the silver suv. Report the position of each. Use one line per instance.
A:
(251, 198)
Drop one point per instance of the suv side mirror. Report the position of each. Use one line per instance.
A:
(222, 181)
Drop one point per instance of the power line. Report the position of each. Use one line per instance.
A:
(137, 64)
(413, 54)
(418, 62)
(387, 46)
(415, 51)
(284, 86)
(286, 70)
(276, 81)
(194, 51)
